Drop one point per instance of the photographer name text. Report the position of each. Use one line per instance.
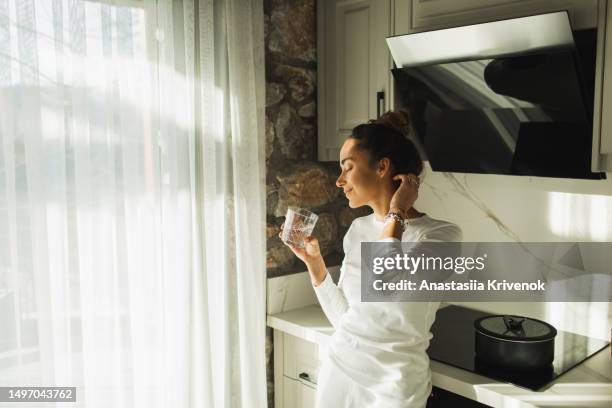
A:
(471, 285)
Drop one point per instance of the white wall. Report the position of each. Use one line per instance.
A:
(492, 208)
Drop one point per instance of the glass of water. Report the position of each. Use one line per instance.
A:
(299, 224)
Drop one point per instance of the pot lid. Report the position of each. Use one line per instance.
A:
(519, 328)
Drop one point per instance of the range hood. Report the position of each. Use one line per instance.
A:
(510, 97)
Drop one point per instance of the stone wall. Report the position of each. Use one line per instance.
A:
(293, 176)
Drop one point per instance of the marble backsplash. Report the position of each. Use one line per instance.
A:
(496, 208)
(512, 208)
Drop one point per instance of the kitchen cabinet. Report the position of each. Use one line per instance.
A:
(308, 330)
(296, 369)
(297, 394)
(353, 68)
(437, 14)
(602, 140)
(354, 80)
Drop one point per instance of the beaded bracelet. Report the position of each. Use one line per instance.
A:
(397, 217)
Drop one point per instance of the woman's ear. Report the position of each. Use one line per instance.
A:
(384, 167)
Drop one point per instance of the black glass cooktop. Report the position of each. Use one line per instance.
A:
(453, 344)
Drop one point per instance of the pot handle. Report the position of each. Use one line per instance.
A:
(514, 325)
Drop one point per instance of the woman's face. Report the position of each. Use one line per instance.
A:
(360, 181)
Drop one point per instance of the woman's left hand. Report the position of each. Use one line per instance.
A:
(406, 194)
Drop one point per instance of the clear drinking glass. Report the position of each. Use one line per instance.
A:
(299, 224)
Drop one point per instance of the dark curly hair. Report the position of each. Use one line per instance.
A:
(387, 137)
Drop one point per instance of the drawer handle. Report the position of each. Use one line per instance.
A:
(306, 377)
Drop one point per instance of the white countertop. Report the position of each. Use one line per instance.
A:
(588, 385)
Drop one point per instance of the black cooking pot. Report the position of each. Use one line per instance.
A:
(515, 342)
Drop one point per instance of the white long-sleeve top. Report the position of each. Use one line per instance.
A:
(382, 345)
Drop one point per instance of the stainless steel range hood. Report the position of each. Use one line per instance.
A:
(488, 40)
(507, 97)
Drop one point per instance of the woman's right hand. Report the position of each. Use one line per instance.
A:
(406, 193)
(310, 254)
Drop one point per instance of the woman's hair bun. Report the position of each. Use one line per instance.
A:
(398, 120)
(388, 136)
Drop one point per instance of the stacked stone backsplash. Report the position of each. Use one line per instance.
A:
(294, 177)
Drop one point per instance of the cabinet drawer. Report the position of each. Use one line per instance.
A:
(300, 357)
(298, 395)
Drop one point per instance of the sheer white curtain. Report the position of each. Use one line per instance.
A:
(132, 200)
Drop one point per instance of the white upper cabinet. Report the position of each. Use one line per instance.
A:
(353, 68)
(354, 60)
(602, 141)
(436, 14)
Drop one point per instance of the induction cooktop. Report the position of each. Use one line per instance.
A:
(453, 344)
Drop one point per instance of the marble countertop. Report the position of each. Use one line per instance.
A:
(588, 385)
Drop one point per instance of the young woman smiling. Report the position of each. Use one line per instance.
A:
(376, 357)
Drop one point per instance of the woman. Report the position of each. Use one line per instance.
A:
(376, 357)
